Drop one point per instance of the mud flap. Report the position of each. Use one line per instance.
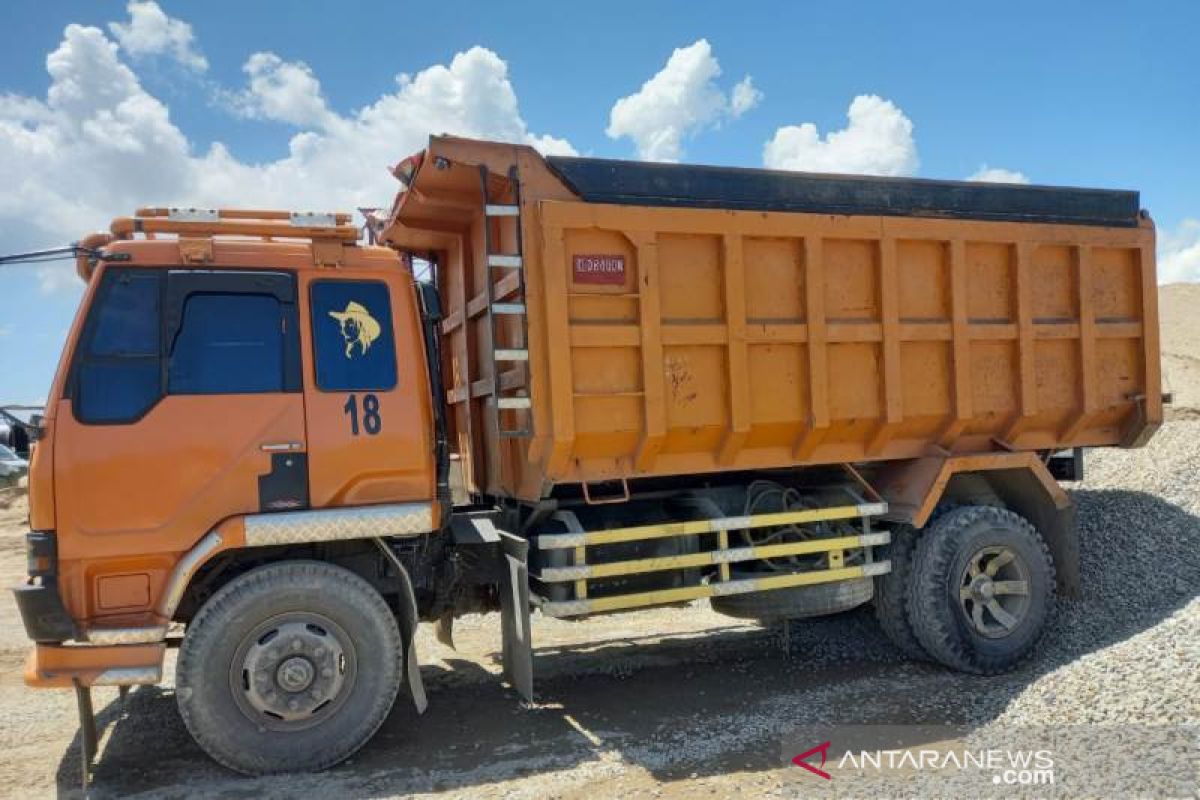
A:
(517, 653)
(88, 740)
(407, 602)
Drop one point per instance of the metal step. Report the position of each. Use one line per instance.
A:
(506, 297)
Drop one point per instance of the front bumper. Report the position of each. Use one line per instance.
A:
(42, 610)
(62, 666)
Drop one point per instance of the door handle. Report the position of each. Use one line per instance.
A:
(280, 447)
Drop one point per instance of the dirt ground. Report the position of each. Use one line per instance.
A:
(677, 702)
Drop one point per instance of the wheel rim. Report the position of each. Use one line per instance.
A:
(993, 591)
(292, 671)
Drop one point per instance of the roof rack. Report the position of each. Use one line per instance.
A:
(236, 222)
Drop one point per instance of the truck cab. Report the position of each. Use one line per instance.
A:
(223, 367)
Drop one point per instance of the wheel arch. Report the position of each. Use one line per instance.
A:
(342, 536)
(225, 565)
(1017, 481)
(370, 559)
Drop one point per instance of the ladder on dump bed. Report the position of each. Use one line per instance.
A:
(506, 298)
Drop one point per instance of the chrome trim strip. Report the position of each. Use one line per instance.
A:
(271, 447)
(184, 569)
(193, 215)
(110, 636)
(312, 219)
(128, 676)
(336, 524)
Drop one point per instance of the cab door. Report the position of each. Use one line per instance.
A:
(183, 408)
(367, 396)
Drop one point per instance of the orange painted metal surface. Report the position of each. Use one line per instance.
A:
(128, 500)
(748, 340)
(57, 666)
(913, 488)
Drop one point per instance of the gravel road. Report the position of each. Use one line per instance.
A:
(684, 703)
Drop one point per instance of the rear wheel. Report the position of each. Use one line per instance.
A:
(891, 593)
(290, 667)
(981, 588)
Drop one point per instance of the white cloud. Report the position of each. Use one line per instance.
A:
(678, 102)
(58, 277)
(286, 91)
(98, 145)
(986, 174)
(1179, 253)
(877, 141)
(744, 97)
(151, 32)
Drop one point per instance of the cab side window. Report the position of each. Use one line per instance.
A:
(355, 348)
(228, 344)
(117, 376)
(152, 333)
(231, 333)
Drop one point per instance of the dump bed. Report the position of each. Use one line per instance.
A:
(684, 320)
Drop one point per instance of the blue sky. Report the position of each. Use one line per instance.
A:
(174, 106)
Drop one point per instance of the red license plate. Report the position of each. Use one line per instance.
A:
(600, 269)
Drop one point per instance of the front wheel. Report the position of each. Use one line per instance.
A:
(290, 667)
(981, 587)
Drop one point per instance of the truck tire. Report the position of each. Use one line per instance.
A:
(796, 602)
(290, 667)
(981, 588)
(891, 593)
(892, 590)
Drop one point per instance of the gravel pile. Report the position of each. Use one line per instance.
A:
(1113, 690)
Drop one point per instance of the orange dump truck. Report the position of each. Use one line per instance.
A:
(574, 386)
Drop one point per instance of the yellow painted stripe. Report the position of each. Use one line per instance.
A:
(661, 563)
(685, 593)
(694, 527)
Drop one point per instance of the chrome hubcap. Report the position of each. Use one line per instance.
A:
(291, 670)
(993, 591)
(295, 674)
